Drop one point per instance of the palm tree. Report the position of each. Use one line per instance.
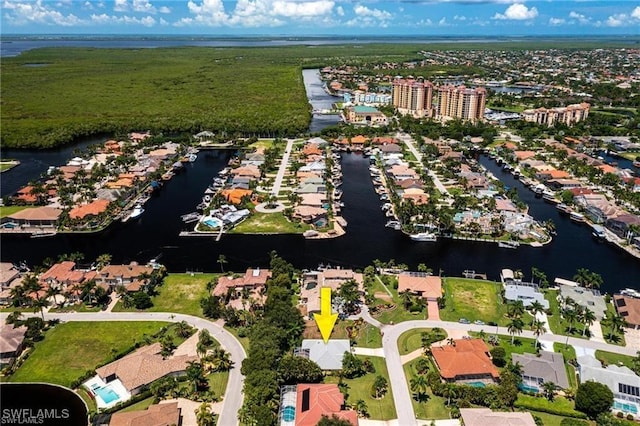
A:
(52, 292)
(536, 307)
(419, 387)
(514, 327)
(183, 329)
(39, 304)
(588, 318)
(13, 317)
(204, 415)
(222, 259)
(549, 390)
(538, 329)
(380, 386)
(195, 374)
(515, 309)
(406, 299)
(571, 315)
(103, 260)
(449, 391)
(361, 408)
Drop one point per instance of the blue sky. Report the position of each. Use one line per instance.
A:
(322, 17)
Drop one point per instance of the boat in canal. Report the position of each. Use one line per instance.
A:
(424, 236)
(577, 217)
(136, 212)
(509, 244)
(563, 208)
(393, 224)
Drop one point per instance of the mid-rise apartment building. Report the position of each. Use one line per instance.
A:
(569, 115)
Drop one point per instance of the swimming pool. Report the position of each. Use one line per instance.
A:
(476, 384)
(627, 408)
(528, 388)
(288, 413)
(107, 394)
(213, 222)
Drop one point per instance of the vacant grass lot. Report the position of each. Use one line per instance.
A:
(9, 210)
(615, 359)
(180, 293)
(434, 407)
(559, 404)
(558, 324)
(411, 340)
(569, 353)
(360, 388)
(269, 223)
(70, 349)
(475, 300)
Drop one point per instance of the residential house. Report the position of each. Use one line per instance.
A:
(417, 195)
(629, 309)
(253, 280)
(235, 195)
(309, 214)
(25, 196)
(312, 401)
(465, 361)
(9, 278)
(621, 224)
(312, 281)
(391, 148)
(94, 208)
(311, 149)
(35, 217)
(523, 155)
(545, 175)
(359, 140)
(623, 382)
(65, 276)
(313, 200)
(132, 276)
(585, 297)
(252, 172)
(410, 183)
(311, 188)
(485, 417)
(167, 414)
(138, 369)
(401, 172)
(327, 355)
(515, 289)
(538, 369)
(11, 339)
(424, 285)
(562, 184)
(596, 207)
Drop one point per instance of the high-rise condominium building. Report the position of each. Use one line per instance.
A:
(569, 115)
(460, 102)
(412, 97)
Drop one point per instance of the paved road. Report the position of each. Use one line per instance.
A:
(233, 396)
(283, 168)
(408, 140)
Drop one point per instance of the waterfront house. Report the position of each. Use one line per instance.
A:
(309, 214)
(327, 355)
(138, 369)
(163, 414)
(8, 272)
(424, 285)
(11, 339)
(485, 416)
(94, 208)
(25, 195)
(410, 183)
(390, 148)
(6, 298)
(313, 281)
(416, 195)
(562, 184)
(132, 276)
(359, 140)
(311, 188)
(311, 149)
(383, 140)
(235, 195)
(515, 289)
(305, 404)
(545, 175)
(621, 224)
(64, 275)
(623, 382)
(629, 308)
(505, 205)
(524, 155)
(44, 216)
(253, 279)
(250, 171)
(402, 172)
(584, 297)
(313, 200)
(538, 369)
(465, 361)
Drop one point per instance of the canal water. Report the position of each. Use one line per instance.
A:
(156, 233)
(319, 100)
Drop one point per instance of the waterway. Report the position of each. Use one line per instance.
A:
(319, 100)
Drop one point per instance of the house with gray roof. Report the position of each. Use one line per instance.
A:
(515, 289)
(548, 367)
(585, 297)
(623, 382)
(327, 355)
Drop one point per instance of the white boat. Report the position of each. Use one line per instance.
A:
(631, 293)
(509, 244)
(577, 217)
(137, 211)
(563, 208)
(394, 224)
(192, 157)
(550, 197)
(423, 236)
(598, 232)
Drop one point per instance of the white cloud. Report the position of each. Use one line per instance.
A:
(340, 11)
(459, 18)
(517, 12)
(143, 6)
(120, 5)
(164, 9)
(253, 13)
(556, 21)
(616, 20)
(20, 13)
(579, 17)
(364, 11)
(443, 22)
(635, 14)
(208, 12)
(147, 21)
(291, 9)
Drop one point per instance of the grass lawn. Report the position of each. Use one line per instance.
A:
(9, 210)
(615, 338)
(552, 419)
(138, 406)
(360, 388)
(367, 335)
(218, 383)
(180, 293)
(79, 307)
(244, 341)
(411, 340)
(434, 407)
(475, 300)
(569, 353)
(91, 402)
(269, 223)
(70, 349)
(615, 359)
(540, 404)
(520, 345)
(557, 324)
(398, 313)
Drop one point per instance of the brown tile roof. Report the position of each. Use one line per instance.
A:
(311, 149)
(324, 399)
(484, 416)
(93, 208)
(251, 278)
(628, 308)
(37, 214)
(7, 273)
(420, 282)
(63, 272)
(124, 272)
(156, 415)
(466, 357)
(360, 139)
(25, 195)
(11, 337)
(523, 155)
(234, 196)
(144, 366)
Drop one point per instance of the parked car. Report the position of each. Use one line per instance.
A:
(464, 321)
(478, 322)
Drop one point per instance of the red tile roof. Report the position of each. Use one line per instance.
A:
(156, 415)
(93, 208)
(419, 282)
(466, 357)
(324, 399)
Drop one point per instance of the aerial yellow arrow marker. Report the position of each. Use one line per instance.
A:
(325, 319)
